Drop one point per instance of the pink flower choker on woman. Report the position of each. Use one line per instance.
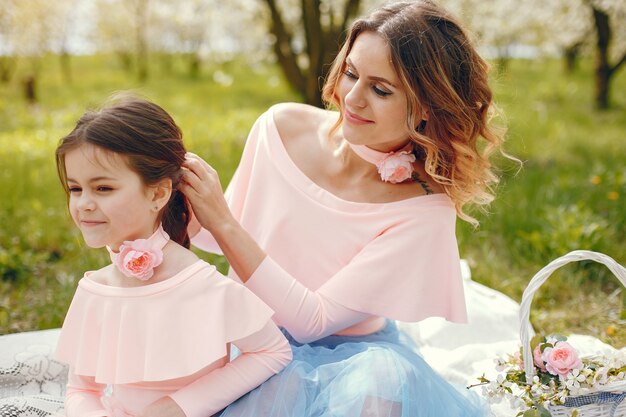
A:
(393, 167)
(138, 258)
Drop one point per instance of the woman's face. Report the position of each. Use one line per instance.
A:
(373, 102)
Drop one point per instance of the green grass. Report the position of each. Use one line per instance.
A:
(570, 194)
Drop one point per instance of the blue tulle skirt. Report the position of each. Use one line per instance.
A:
(376, 375)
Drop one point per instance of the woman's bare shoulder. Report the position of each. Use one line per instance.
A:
(295, 120)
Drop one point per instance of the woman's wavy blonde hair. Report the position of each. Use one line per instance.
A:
(443, 74)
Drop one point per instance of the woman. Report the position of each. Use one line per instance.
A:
(344, 220)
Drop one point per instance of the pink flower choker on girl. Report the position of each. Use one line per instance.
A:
(393, 167)
(138, 258)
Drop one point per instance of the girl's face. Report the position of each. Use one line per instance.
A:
(372, 100)
(108, 201)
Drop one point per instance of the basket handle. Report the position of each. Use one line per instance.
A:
(539, 278)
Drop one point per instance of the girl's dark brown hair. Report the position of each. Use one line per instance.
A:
(149, 139)
(442, 73)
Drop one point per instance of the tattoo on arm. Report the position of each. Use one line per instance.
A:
(415, 177)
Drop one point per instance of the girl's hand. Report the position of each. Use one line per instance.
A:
(201, 185)
(163, 407)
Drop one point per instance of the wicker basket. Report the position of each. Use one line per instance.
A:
(611, 401)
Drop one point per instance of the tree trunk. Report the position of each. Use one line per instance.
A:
(571, 54)
(314, 49)
(7, 67)
(194, 65)
(604, 70)
(126, 60)
(142, 63)
(287, 59)
(322, 42)
(66, 67)
(503, 60)
(30, 89)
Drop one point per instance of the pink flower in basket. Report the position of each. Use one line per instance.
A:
(138, 259)
(538, 358)
(561, 359)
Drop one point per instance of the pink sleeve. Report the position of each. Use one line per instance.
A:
(306, 314)
(409, 272)
(263, 354)
(83, 397)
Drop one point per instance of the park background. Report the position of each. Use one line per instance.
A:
(558, 76)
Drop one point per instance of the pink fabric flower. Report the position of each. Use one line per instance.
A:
(138, 258)
(538, 359)
(561, 359)
(396, 167)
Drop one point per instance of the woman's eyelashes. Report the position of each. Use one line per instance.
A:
(350, 74)
(377, 90)
(380, 92)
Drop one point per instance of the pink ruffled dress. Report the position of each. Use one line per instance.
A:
(128, 347)
(337, 274)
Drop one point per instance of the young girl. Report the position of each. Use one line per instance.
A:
(150, 334)
(343, 220)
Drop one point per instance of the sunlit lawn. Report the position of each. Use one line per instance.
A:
(570, 194)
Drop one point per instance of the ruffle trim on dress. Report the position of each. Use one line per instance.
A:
(175, 330)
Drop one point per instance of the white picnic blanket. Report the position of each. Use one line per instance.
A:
(32, 384)
(462, 353)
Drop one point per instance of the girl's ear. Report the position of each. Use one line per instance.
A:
(160, 193)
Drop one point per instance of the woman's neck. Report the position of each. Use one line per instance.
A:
(351, 164)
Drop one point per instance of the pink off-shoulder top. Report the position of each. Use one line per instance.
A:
(168, 338)
(337, 266)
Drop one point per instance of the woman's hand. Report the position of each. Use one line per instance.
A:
(194, 226)
(201, 185)
(163, 407)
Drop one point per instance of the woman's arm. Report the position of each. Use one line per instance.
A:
(201, 185)
(409, 272)
(305, 314)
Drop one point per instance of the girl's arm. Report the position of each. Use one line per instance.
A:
(263, 354)
(83, 397)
